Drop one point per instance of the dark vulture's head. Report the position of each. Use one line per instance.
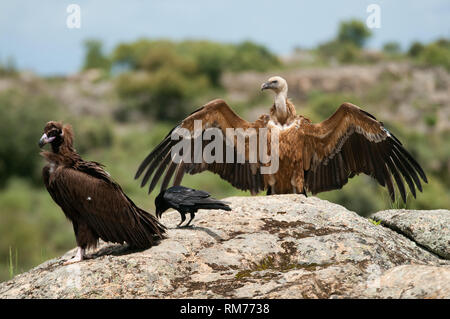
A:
(55, 134)
(276, 84)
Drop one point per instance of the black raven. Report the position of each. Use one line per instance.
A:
(186, 200)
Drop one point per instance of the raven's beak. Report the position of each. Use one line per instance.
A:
(265, 86)
(45, 139)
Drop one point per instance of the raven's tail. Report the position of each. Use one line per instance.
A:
(211, 203)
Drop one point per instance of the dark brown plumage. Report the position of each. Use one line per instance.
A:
(312, 157)
(96, 205)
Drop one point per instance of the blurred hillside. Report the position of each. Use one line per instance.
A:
(124, 102)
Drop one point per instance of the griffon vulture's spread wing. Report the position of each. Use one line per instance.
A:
(87, 191)
(217, 114)
(350, 142)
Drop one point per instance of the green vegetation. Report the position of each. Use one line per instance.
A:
(348, 43)
(347, 47)
(8, 68)
(437, 53)
(433, 54)
(353, 31)
(376, 223)
(21, 121)
(154, 84)
(415, 49)
(162, 78)
(95, 58)
(392, 48)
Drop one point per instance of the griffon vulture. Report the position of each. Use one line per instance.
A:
(96, 205)
(186, 200)
(312, 157)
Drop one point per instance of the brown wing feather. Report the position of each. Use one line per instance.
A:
(214, 114)
(102, 205)
(350, 142)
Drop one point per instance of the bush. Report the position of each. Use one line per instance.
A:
(94, 57)
(435, 54)
(165, 94)
(164, 78)
(32, 226)
(206, 58)
(91, 133)
(251, 56)
(22, 120)
(415, 49)
(322, 105)
(165, 57)
(9, 68)
(211, 58)
(353, 31)
(346, 47)
(130, 55)
(342, 52)
(392, 48)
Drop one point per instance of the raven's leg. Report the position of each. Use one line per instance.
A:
(192, 217)
(183, 218)
(269, 190)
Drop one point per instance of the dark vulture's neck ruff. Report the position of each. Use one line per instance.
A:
(63, 152)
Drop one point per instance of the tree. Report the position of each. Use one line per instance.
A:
(94, 57)
(392, 48)
(252, 56)
(353, 31)
(415, 49)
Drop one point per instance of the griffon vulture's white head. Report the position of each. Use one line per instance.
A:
(276, 84)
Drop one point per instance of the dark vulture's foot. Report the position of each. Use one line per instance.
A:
(78, 257)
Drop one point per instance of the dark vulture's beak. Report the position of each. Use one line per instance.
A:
(45, 139)
(266, 85)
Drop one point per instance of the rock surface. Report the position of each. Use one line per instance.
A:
(285, 246)
(429, 228)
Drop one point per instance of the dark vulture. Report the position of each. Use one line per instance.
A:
(312, 157)
(96, 205)
(186, 200)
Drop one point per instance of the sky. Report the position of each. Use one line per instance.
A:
(35, 33)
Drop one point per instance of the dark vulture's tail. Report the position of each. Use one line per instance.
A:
(146, 229)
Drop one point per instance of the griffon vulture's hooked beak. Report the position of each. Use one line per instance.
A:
(269, 85)
(266, 85)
